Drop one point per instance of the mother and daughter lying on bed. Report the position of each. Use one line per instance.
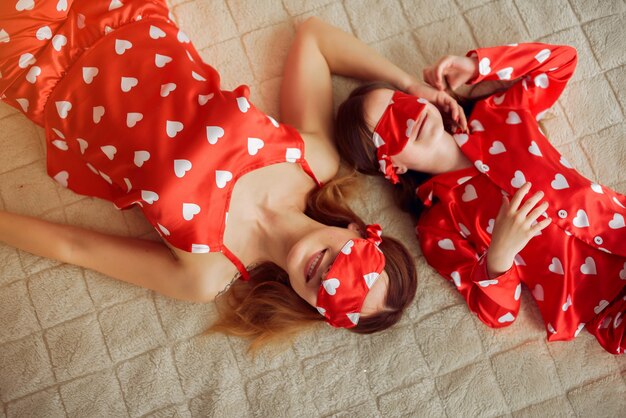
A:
(133, 115)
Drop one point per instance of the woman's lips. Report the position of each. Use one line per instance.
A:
(422, 125)
(314, 262)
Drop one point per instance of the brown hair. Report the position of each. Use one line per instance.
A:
(266, 308)
(354, 141)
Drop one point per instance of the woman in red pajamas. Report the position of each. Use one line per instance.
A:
(498, 205)
(133, 115)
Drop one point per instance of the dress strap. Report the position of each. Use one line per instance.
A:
(307, 169)
(238, 264)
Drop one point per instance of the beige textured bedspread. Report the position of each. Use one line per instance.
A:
(76, 343)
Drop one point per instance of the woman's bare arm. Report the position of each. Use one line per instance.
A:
(318, 51)
(141, 262)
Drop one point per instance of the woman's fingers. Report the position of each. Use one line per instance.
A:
(439, 69)
(539, 226)
(519, 195)
(536, 213)
(530, 203)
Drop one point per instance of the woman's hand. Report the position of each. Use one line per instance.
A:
(513, 229)
(451, 71)
(444, 102)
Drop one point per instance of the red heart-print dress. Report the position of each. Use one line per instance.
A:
(133, 115)
(576, 268)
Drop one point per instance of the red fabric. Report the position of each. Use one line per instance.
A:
(576, 267)
(393, 130)
(133, 115)
(352, 274)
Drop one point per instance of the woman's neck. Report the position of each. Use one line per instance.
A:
(455, 160)
(280, 230)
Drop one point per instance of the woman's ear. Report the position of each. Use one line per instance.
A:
(400, 169)
(352, 226)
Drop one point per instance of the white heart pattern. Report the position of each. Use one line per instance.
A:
(254, 145)
(182, 37)
(61, 178)
(370, 278)
(141, 157)
(200, 248)
(128, 83)
(181, 167)
(409, 127)
(617, 222)
(63, 107)
(622, 273)
(82, 144)
(476, 126)
(497, 148)
(44, 33)
(559, 182)
(489, 228)
(190, 210)
(534, 149)
(551, 328)
(483, 66)
(463, 230)
(567, 304)
(132, 119)
(23, 104)
(542, 55)
(32, 74)
(149, 196)
(518, 291)
(354, 317)
(469, 194)
(601, 306)
(580, 328)
(581, 220)
(115, 4)
(485, 283)
(161, 60)
(292, 155)
(589, 267)
(204, 98)
(4, 36)
(505, 73)
(541, 81)
(62, 145)
(347, 248)
(24, 5)
(58, 42)
(222, 177)
(243, 104)
(556, 266)
(166, 89)
(331, 286)
(480, 166)
(456, 278)
(538, 292)
(163, 229)
(156, 33)
(498, 99)
(518, 180)
(80, 21)
(98, 112)
(122, 46)
(596, 188)
(518, 260)
(513, 118)
(213, 133)
(109, 151)
(507, 317)
(446, 244)
(26, 60)
(89, 73)
(197, 76)
(172, 128)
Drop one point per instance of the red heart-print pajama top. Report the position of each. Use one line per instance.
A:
(133, 115)
(576, 267)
